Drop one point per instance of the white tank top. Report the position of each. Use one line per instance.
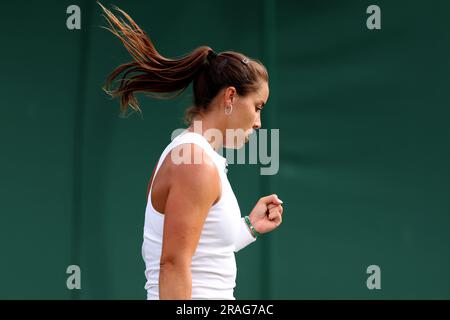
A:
(213, 266)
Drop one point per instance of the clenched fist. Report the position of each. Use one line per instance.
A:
(267, 214)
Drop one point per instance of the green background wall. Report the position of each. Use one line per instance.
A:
(364, 147)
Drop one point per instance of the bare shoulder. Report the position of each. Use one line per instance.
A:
(194, 173)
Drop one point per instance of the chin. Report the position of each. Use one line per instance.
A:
(243, 143)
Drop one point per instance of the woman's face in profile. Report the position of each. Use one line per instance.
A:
(246, 116)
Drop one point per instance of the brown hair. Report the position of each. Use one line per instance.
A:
(151, 73)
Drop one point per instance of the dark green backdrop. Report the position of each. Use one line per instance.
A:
(364, 147)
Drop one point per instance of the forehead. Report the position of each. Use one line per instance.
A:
(262, 93)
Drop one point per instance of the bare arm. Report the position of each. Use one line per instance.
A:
(193, 190)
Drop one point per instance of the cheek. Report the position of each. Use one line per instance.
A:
(249, 115)
(245, 115)
(252, 115)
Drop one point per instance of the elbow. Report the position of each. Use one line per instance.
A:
(174, 263)
(175, 280)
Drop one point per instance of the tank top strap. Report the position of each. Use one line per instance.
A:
(192, 137)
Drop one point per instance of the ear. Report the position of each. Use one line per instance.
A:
(230, 95)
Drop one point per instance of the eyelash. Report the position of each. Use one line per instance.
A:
(258, 108)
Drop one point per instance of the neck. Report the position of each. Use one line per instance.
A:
(201, 125)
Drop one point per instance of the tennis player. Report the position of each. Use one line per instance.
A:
(193, 224)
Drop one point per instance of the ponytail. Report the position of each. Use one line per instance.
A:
(150, 72)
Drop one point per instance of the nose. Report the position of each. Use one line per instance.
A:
(257, 123)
